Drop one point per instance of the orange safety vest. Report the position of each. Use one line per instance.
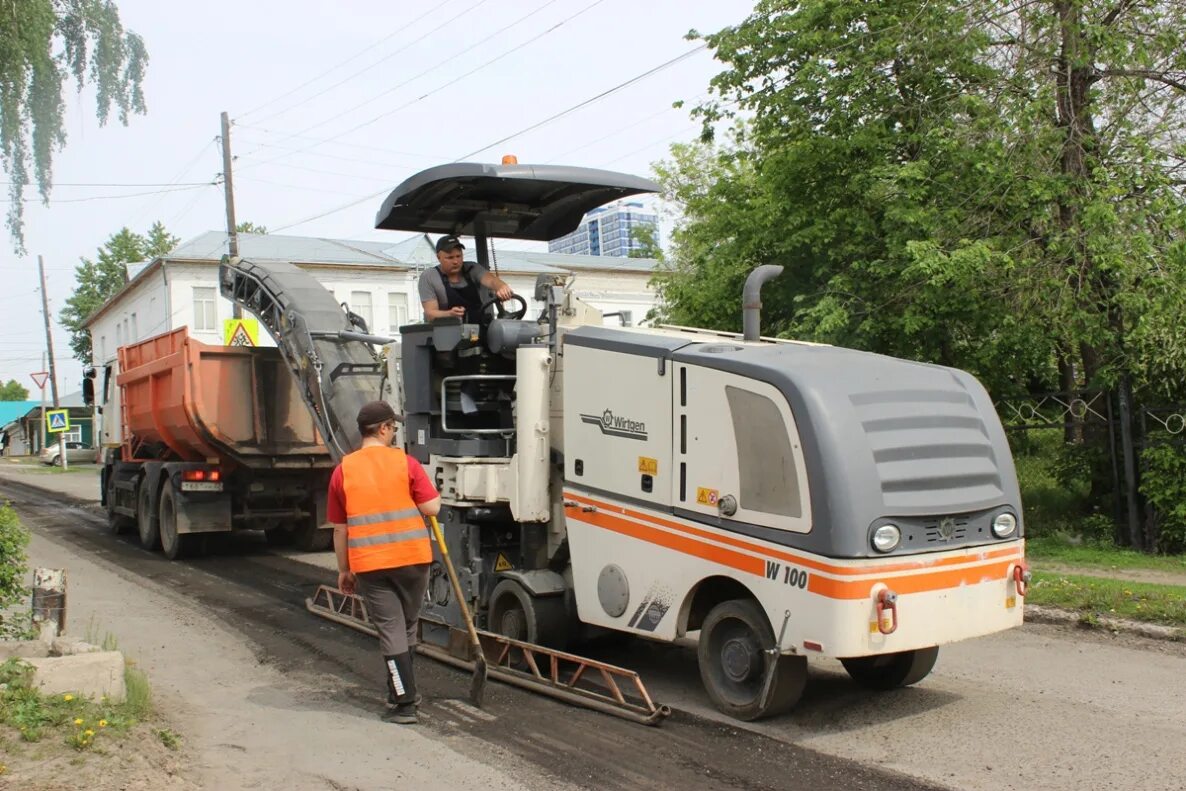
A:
(384, 528)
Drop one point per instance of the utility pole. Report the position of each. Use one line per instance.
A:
(228, 186)
(49, 347)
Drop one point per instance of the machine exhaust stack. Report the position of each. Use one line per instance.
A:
(751, 300)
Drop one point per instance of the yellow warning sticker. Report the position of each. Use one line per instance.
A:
(502, 564)
(240, 332)
(707, 496)
(648, 465)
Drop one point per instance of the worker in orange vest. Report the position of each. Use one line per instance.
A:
(378, 498)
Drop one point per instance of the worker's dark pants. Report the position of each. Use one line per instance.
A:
(393, 598)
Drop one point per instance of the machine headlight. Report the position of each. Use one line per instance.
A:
(1004, 525)
(886, 538)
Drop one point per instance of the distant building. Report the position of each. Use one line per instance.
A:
(21, 427)
(608, 230)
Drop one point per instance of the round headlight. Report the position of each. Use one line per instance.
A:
(1004, 525)
(886, 538)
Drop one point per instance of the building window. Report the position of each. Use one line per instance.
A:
(74, 434)
(135, 336)
(360, 303)
(102, 349)
(205, 309)
(397, 306)
(119, 334)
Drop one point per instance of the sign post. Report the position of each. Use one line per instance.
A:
(57, 421)
(39, 379)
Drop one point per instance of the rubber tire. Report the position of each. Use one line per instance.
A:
(308, 537)
(515, 613)
(890, 671)
(279, 537)
(174, 545)
(745, 619)
(147, 523)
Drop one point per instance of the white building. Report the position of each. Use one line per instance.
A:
(377, 280)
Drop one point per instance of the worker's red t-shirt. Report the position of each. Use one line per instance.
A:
(335, 508)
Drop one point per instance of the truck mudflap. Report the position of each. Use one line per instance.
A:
(573, 679)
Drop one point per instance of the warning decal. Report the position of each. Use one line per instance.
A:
(240, 332)
(502, 564)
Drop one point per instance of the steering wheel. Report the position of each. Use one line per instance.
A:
(514, 315)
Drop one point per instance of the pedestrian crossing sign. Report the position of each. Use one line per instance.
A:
(57, 420)
(240, 332)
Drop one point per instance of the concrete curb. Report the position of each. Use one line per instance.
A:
(1036, 613)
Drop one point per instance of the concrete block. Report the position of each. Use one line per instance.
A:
(87, 675)
(23, 649)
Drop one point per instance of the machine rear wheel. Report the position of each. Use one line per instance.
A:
(889, 671)
(174, 544)
(731, 654)
(146, 520)
(309, 537)
(116, 522)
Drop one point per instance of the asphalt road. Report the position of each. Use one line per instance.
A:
(260, 595)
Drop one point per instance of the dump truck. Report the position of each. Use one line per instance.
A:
(777, 500)
(201, 440)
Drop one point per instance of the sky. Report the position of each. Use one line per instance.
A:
(334, 104)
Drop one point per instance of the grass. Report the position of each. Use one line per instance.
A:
(1098, 556)
(1093, 597)
(81, 723)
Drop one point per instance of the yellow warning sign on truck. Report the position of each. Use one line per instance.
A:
(240, 332)
(502, 564)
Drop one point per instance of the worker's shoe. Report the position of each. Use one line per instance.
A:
(401, 690)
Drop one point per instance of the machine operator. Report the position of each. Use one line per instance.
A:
(454, 286)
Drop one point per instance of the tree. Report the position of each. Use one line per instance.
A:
(13, 390)
(250, 227)
(990, 185)
(103, 278)
(45, 42)
(647, 239)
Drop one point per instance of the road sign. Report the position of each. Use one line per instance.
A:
(57, 420)
(240, 332)
(40, 378)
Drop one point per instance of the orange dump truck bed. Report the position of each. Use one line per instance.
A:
(214, 403)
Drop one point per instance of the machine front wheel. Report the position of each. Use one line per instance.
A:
(516, 614)
(733, 663)
(889, 671)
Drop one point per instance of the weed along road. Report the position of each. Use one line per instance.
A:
(258, 596)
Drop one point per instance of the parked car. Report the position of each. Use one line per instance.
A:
(76, 453)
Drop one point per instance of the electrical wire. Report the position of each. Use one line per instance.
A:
(115, 197)
(384, 59)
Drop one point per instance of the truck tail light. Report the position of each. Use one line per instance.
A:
(201, 475)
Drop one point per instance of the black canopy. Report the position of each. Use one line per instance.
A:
(536, 202)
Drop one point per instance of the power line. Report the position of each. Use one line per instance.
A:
(124, 184)
(321, 140)
(388, 57)
(587, 102)
(649, 73)
(350, 59)
(445, 85)
(115, 197)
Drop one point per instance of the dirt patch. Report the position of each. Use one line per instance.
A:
(1133, 575)
(137, 759)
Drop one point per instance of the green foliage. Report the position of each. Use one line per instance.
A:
(101, 279)
(42, 44)
(647, 239)
(985, 185)
(1163, 483)
(250, 227)
(168, 738)
(1096, 596)
(1053, 503)
(13, 540)
(12, 390)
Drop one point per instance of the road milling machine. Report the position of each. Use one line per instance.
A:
(777, 500)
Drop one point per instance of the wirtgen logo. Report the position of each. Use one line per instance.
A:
(616, 426)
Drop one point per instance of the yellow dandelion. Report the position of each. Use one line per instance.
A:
(78, 721)
(67, 697)
(88, 733)
(102, 723)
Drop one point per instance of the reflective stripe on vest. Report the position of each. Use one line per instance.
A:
(384, 529)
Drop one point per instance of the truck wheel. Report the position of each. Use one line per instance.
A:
(116, 522)
(146, 520)
(516, 614)
(309, 537)
(732, 662)
(890, 671)
(175, 545)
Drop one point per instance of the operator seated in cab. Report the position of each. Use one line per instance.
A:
(454, 286)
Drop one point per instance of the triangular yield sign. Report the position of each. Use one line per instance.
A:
(40, 378)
